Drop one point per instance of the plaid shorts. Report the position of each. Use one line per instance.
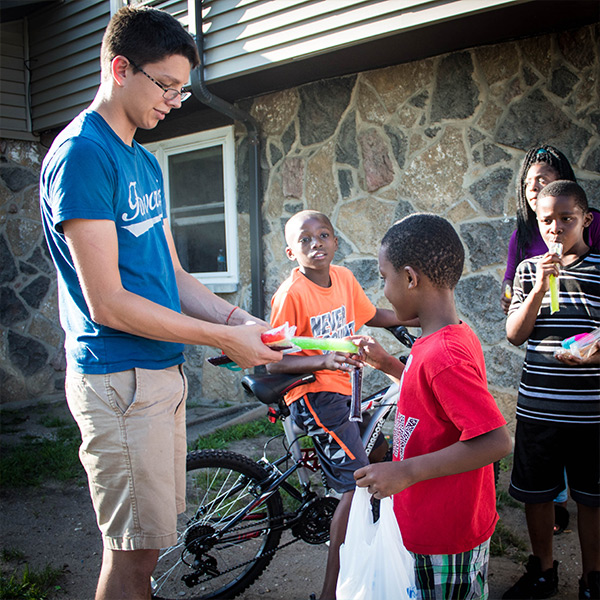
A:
(457, 576)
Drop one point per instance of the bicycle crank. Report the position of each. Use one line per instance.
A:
(314, 520)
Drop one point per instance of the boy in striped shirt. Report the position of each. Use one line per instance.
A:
(558, 406)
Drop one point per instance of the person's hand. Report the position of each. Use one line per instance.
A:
(383, 479)
(370, 351)
(591, 358)
(506, 296)
(547, 265)
(244, 346)
(340, 361)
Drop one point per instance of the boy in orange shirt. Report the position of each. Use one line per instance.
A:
(323, 300)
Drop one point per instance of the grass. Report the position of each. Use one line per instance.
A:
(8, 554)
(30, 584)
(37, 459)
(222, 438)
(506, 543)
(12, 421)
(503, 498)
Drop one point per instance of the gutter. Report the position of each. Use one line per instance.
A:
(202, 93)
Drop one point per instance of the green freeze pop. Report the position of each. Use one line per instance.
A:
(331, 344)
(557, 248)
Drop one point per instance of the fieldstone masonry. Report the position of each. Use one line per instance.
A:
(32, 359)
(445, 134)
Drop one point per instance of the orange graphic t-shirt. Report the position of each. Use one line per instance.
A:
(334, 312)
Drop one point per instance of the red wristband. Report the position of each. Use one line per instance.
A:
(229, 315)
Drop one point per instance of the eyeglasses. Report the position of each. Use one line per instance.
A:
(169, 94)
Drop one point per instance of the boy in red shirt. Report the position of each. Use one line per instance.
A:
(448, 429)
(323, 300)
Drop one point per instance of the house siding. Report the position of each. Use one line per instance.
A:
(250, 35)
(241, 37)
(14, 111)
(65, 44)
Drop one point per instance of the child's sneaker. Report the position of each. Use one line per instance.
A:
(535, 583)
(591, 589)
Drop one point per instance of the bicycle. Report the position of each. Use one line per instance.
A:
(236, 515)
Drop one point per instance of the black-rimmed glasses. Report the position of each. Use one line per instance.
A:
(169, 94)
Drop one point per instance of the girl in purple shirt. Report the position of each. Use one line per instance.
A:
(541, 165)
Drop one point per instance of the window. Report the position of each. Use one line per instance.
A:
(199, 174)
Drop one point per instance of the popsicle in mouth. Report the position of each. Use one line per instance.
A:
(556, 248)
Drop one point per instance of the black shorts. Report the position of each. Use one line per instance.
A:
(337, 441)
(542, 453)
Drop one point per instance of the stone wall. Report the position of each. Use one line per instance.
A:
(31, 354)
(444, 134)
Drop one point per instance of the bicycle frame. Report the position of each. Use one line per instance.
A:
(237, 516)
(384, 400)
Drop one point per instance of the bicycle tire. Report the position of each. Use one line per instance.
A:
(251, 544)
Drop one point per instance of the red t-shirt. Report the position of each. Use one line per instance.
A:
(444, 399)
(334, 312)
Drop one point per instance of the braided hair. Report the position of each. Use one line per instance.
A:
(526, 218)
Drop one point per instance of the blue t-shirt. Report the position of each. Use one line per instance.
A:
(90, 173)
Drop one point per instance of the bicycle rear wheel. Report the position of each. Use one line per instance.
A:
(213, 557)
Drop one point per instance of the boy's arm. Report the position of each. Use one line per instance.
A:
(384, 317)
(521, 322)
(331, 361)
(373, 353)
(385, 479)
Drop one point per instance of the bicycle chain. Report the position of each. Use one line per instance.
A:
(266, 554)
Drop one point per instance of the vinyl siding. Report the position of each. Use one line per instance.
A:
(14, 113)
(242, 36)
(176, 8)
(65, 44)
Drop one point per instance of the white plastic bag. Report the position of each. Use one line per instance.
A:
(374, 564)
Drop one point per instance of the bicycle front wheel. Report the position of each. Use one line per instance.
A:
(222, 547)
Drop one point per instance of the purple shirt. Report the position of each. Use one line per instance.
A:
(537, 246)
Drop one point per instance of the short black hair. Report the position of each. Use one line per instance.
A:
(146, 35)
(303, 215)
(428, 243)
(527, 225)
(563, 187)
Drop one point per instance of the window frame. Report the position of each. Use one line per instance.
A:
(226, 281)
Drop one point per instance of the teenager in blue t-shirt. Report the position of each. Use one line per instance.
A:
(126, 304)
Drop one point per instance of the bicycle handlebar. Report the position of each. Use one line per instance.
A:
(402, 335)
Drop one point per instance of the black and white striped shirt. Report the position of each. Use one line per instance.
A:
(550, 390)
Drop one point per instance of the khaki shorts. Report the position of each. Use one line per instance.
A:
(133, 449)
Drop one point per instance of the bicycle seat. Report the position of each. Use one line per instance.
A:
(269, 389)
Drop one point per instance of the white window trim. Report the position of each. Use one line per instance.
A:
(227, 281)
